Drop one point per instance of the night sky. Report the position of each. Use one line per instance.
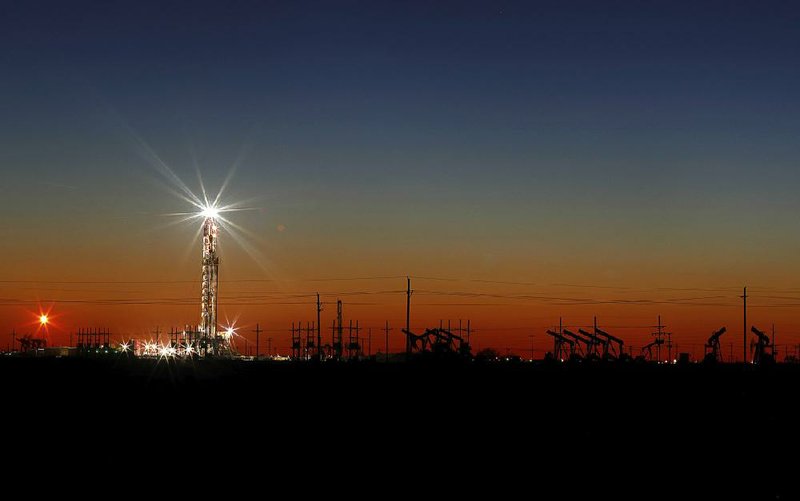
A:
(523, 161)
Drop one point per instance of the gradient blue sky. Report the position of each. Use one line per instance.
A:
(619, 143)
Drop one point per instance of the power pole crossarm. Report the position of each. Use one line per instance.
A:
(319, 329)
(408, 315)
(258, 332)
(386, 330)
(744, 329)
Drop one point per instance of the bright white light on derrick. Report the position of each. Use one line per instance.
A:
(210, 212)
(43, 319)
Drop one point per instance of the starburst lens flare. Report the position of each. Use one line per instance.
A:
(43, 319)
(210, 212)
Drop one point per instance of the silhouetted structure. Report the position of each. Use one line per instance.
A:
(614, 347)
(759, 347)
(439, 342)
(258, 332)
(28, 343)
(353, 344)
(92, 340)
(186, 341)
(647, 350)
(587, 352)
(297, 344)
(563, 348)
(659, 340)
(713, 352)
(407, 330)
(337, 345)
(597, 342)
(311, 343)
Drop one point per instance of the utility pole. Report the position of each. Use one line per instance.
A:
(659, 335)
(338, 343)
(669, 346)
(14, 339)
(731, 356)
(157, 332)
(369, 342)
(349, 335)
(744, 329)
(258, 332)
(773, 343)
(386, 330)
(594, 330)
(269, 346)
(658, 346)
(319, 330)
(408, 316)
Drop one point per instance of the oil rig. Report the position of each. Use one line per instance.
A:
(209, 342)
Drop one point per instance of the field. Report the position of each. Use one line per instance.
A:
(599, 428)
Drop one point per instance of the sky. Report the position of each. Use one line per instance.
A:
(521, 161)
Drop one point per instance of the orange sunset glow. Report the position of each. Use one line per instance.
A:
(540, 248)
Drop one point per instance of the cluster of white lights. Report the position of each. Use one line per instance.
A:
(149, 349)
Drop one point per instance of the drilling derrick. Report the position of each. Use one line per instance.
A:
(210, 281)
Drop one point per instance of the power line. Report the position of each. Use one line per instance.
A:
(243, 280)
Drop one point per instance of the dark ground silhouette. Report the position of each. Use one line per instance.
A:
(706, 432)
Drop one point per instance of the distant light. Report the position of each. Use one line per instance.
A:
(210, 212)
(43, 319)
